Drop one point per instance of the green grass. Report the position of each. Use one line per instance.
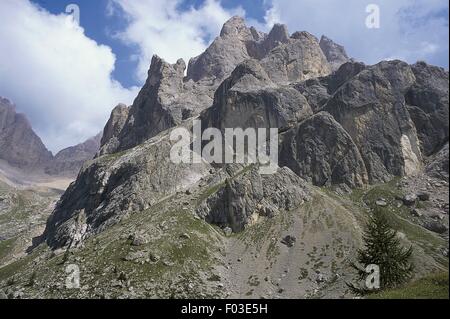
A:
(104, 252)
(5, 247)
(399, 217)
(431, 287)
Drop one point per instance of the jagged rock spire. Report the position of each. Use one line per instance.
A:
(335, 53)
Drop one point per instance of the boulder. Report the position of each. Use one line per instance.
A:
(410, 199)
(436, 227)
(289, 241)
(423, 196)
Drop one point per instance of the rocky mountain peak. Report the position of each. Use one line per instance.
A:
(235, 27)
(23, 149)
(335, 53)
(222, 56)
(19, 144)
(163, 73)
(264, 43)
(115, 123)
(297, 60)
(7, 113)
(249, 74)
(304, 35)
(279, 33)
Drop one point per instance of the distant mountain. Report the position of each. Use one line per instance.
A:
(22, 148)
(19, 144)
(69, 161)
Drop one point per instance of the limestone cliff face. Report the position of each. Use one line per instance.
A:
(248, 98)
(297, 60)
(371, 108)
(19, 144)
(321, 151)
(109, 141)
(427, 102)
(158, 105)
(341, 122)
(335, 53)
(242, 200)
(319, 90)
(168, 98)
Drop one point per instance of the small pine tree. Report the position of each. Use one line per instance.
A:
(383, 248)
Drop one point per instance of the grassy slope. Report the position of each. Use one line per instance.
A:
(101, 261)
(431, 287)
(427, 246)
(400, 219)
(186, 265)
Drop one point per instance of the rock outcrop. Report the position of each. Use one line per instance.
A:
(297, 60)
(109, 141)
(164, 101)
(438, 165)
(19, 144)
(319, 90)
(334, 52)
(371, 108)
(249, 196)
(115, 123)
(110, 188)
(427, 102)
(322, 152)
(248, 98)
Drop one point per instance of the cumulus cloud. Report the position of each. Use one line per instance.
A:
(410, 30)
(55, 74)
(161, 27)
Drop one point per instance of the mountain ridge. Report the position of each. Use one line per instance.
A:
(387, 142)
(22, 148)
(354, 138)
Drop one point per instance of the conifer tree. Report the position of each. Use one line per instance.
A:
(382, 247)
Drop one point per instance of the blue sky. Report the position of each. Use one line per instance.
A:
(67, 77)
(100, 27)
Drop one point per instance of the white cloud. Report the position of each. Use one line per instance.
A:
(55, 74)
(159, 27)
(410, 29)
